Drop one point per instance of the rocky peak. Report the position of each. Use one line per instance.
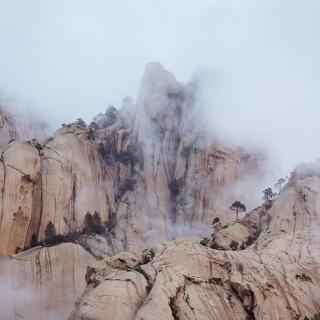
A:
(140, 175)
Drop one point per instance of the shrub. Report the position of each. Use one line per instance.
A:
(93, 223)
(234, 245)
(216, 220)
(50, 232)
(51, 236)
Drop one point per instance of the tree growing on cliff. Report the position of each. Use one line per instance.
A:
(93, 223)
(34, 241)
(237, 206)
(268, 194)
(279, 184)
(50, 233)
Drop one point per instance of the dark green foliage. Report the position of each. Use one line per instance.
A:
(91, 134)
(93, 125)
(215, 220)
(81, 123)
(37, 145)
(34, 241)
(51, 236)
(234, 245)
(268, 194)
(110, 118)
(237, 206)
(50, 232)
(205, 242)
(252, 238)
(93, 223)
(18, 249)
(131, 156)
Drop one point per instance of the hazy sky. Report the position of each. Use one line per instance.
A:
(71, 58)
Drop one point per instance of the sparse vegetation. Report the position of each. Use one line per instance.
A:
(268, 194)
(238, 207)
(80, 122)
(234, 245)
(50, 231)
(215, 220)
(34, 241)
(51, 236)
(92, 223)
(279, 184)
(205, 242)
(111, 116)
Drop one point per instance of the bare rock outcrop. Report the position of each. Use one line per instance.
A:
(146, 173)
(19, 126)
(42, 283)
(276, 277)
(149, 170)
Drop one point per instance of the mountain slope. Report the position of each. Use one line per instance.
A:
(146, 173)
(276, 277)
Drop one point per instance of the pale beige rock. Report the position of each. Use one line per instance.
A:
(21, 196)
(277, 277)
(42, 283)
(152, 173)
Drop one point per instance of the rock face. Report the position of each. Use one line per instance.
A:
(149, 170)
(275, 275)
(147, 173)
(42, 283)
(18, 126)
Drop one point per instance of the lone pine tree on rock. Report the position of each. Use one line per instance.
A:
(268, 194)
(237, 206)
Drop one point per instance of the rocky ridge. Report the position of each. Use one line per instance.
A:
(274, 276)
(150, 171)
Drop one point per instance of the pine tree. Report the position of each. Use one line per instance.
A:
(93, 223)
(50, 233)
(237, 206)
(98, 228)
(268, 194)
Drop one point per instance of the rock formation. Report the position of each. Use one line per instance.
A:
(133, 179)
(273, 275)
(42, 283)
(148, 170)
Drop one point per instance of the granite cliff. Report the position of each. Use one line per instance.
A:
(134, 179)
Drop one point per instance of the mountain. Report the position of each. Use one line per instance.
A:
(274, 275)
(135, 178)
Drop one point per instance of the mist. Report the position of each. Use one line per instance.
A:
(62, 60)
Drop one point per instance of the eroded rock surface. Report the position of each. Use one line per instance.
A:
(149, 170)
(42, 283)
(276, 277)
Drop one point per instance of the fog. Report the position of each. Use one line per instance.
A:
(68, 59)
